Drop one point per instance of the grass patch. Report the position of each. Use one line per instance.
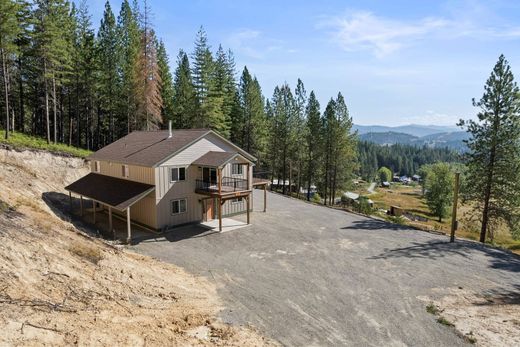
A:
(87, 252)
(26, 141)
(444, 321)
(431, 308)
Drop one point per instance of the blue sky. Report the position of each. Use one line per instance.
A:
(396, 62)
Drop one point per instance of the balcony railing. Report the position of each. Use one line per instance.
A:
(229, 184)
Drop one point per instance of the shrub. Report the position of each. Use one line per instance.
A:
(87, 252)
(316, 198)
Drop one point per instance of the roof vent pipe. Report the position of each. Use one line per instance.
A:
(169, 129)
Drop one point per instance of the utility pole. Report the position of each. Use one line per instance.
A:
(454, 212)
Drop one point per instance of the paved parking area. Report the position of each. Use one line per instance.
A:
(309, 275)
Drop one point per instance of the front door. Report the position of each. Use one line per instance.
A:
(209, 176)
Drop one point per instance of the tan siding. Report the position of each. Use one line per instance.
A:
(143, 211)
(177, 190)
(136, 173)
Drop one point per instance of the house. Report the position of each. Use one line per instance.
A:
(385, 184)
(416, 178)
(166, 178)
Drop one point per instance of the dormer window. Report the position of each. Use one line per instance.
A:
(177, 174)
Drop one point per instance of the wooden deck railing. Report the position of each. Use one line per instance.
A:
(229, 184)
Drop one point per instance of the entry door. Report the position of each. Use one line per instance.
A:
(209, 175)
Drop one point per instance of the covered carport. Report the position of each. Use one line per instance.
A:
(112, 192)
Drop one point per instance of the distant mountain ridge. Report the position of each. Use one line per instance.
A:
(453, 140)
(410, 129)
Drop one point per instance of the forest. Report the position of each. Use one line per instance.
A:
(69, 84)
(400, 159)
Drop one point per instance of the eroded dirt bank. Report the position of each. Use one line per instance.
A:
(59, 287)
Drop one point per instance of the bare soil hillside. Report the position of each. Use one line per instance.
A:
(61, 287)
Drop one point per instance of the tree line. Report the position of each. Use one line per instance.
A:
(65, 82)
(399, 158)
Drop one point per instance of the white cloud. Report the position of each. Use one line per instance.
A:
(254, 44)
(362, 30)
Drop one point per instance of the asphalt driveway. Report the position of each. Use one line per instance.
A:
(309, 275)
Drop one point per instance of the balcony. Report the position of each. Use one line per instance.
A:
(230, 186)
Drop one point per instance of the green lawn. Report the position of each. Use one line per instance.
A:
(20, 140)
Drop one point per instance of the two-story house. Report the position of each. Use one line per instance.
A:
(161, 179)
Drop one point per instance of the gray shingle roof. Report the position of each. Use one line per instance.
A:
(215, 159)
(147, 148)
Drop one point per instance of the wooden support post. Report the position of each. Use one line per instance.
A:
(219, 178)
(128, 227)
(219, 214)
(70, 202)
(81, 205)
(265, 197)
(455, 202)
(248, 179)
(94, 210)
(247, 201)
(110, 227)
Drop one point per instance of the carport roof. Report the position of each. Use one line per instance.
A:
(115, 192)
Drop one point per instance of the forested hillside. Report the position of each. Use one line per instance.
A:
(69, 84)
(400, 159)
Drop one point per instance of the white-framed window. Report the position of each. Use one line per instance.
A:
(237, 200)
(237, 169)
(125, 171)
(177, 174)
(179, 206)
(96, 166)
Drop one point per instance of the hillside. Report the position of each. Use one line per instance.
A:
(411, 129)
(453, 140)
(59, 286)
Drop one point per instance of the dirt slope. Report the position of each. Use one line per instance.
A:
(59, 287)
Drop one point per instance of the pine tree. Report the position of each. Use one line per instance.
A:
(129, 47)
(493, 157)
(313, 140)
(167, 90)
(185, 106)
(52, 24)
(202, 72)
(107, 48)
(9, 33)
(299, 131)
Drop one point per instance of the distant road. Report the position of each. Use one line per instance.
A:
(371, 188)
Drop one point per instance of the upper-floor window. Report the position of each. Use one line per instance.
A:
(237, 169)
(178, 206)
(124, 171)
(96, 166)
(178, 174)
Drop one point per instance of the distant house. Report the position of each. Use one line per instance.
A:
(161, 179)
(385, 184)
(416, 178)
(396, 178)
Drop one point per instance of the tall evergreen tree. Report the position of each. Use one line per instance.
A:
(185, 106)
(129, 48)
(167, 90)
(493, 159)
(9, 33)
(202, 72)
(107, 46)
(313, 140)
(52, 24)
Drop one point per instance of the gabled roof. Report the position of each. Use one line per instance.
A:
(217, 159)
(115, 192)
(150, 148)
